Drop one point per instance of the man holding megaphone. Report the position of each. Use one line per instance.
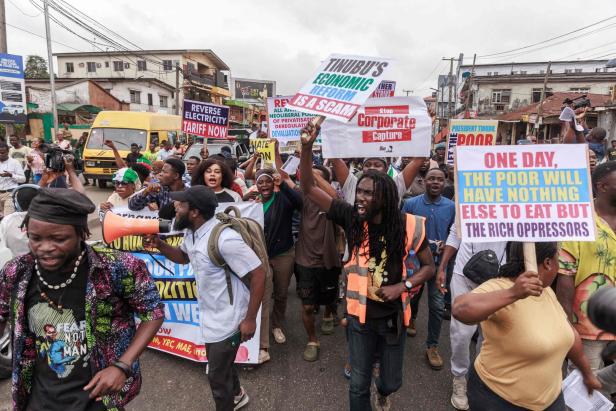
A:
(224, 324)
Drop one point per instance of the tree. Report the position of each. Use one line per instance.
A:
(36, 67)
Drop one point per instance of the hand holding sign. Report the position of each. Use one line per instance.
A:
(311, 132)
(526, 285)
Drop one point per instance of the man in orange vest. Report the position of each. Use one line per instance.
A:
(379, 239)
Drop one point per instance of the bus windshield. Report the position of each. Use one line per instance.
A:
(121, 137)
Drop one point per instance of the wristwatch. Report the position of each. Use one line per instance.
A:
(408, 285)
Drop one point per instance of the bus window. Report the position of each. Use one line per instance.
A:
(154, 138)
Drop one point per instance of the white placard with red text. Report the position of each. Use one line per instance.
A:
(383, 127)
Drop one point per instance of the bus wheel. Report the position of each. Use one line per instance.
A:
(102, 183)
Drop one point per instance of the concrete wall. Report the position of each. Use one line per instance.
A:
(121, 91)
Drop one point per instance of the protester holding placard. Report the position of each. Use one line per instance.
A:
(379, 238)
(215, 174)
(461, 334)
(526, 336)
(588, 266)
(440, 215)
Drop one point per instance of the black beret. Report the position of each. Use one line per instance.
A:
(61, 206)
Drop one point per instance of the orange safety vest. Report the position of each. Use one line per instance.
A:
(357, 270)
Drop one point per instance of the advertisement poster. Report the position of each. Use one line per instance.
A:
(12, 89)
(205, 119)
(524, 193)
(387, 88)
(285, 124)
(470, 133)
(383, 127)
(340, 86)
(180, 333)
(247, 89)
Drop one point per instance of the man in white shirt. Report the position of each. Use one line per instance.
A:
(223, 324)
(165, 152)
(11, 175)
(62, 142)
(461, 334)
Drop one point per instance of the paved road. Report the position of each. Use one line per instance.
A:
(287, 382)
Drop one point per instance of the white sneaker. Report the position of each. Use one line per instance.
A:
(459, 400)
(279, 335)
(240, 400)
(263, 356)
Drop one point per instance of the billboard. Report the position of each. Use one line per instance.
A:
(12, 89)
(246, 89)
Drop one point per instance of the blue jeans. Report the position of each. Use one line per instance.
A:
(436, 306)
(380, 337)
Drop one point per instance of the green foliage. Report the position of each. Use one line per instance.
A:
(36, 67)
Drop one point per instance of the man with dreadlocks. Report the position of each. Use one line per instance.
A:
(379, 239)
(72, 312)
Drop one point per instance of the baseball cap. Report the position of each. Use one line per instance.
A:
(199, 197)
(439, 145)
(125, 175)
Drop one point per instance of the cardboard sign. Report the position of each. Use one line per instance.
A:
(470, 133)
(383, 127)
(180, 333)
(285, 124)
(340, 86)
(205, 119)
(385, 89)
(524, 193)
(267, 148)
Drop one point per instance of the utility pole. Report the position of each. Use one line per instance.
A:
(177, 89)
(52, 81)
(449, 84)
(470, 86)
(540, 108)
(407, 92)
(3, 47)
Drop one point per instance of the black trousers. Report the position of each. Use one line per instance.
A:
(222, 375)
(482, 398)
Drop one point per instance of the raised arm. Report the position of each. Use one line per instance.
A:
(341, 171)
(249, 174)
(411, 170)
(320, 197)
(324, 185)
(116, 154)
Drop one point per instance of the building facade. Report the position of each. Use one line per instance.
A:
(501, 88)
(202, 75)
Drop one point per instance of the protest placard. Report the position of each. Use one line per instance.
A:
(180, 333)
(205, 119)
(525, 193)
(267, 148)
(383, 127)
(285, 124)
(340, 86)
(387, 88)
(470, 133)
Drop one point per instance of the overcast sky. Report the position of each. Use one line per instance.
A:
(284, 40)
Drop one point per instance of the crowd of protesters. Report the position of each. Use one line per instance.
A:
(363, 238)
